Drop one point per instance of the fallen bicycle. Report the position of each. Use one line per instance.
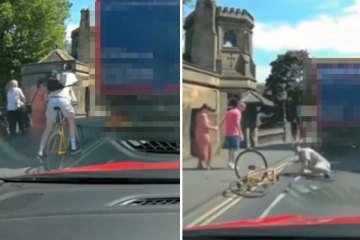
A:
(256, 181)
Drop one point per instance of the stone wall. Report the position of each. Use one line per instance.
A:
(199, 86)
(194, 97)
(31, 73)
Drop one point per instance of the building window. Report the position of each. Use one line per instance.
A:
(230, 40)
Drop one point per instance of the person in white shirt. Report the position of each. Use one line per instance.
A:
(15, 107)
(313, 163)
(60, 95)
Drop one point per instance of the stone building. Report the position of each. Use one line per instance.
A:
(218, 64)
(80, 59)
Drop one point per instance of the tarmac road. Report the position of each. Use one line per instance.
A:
(203, 191)
(18, 154)
(293, 194)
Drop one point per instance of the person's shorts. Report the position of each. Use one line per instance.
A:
(233, 142)
(63, 103)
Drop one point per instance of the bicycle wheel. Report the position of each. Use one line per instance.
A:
(250, 160)
(241, 189)
(54, 154)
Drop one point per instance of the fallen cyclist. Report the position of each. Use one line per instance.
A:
(313, 163)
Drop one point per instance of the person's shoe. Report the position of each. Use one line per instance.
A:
(199, 166)
(209, 167)
(40, 158)
(231, 165)
(75, 151)
(327, 176)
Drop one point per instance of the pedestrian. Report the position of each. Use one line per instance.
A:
(38, 108)
(233, 129)
(202, 136)
(15, 107)
(312, 162)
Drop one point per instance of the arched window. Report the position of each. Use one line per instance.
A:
(230, 39)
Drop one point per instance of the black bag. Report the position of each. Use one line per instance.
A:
(53, 85)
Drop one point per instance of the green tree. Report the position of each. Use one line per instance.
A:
(284, 84)
(28, 31)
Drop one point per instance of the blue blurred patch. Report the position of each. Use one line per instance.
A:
(140, 42)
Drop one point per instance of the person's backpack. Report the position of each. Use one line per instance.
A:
(53, 82)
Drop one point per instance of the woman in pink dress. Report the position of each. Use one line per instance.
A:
(202, 136)
(38, 107)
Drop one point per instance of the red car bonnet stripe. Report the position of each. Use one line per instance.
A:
(283, 220)
(119, 166)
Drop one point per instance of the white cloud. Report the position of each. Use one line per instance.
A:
(262, 72)
(339, 33)
(69, 28)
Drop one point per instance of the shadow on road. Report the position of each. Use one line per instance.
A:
(344, 159)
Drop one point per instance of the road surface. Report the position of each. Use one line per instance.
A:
(17, 155)
(293, 194)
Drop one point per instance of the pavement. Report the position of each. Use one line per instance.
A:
(207, 199)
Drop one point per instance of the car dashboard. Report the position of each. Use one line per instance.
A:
(76, 211)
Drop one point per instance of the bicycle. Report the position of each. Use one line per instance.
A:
(258, 176)
(57, 146)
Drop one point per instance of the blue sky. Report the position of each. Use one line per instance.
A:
(326, 28)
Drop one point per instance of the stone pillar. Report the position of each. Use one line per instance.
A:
(204, 40)
(83, 45)
(247, 65)
(287, 132)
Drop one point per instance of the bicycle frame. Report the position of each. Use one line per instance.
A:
(62, 149)
(62, 146)
(60, 127)
(256, 177)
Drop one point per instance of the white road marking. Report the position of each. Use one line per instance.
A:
(221, 211)
(224, 206)
(209, 213)
(276, 201)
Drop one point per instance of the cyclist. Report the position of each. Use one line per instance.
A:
(312, 162)
(71, 79)
(59, 87)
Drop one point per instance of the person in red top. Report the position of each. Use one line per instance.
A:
(202, 136)
(233, 131)
(38, 108)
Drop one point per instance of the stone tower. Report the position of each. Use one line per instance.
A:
(203, 37)
(235, 31)
(81, 38)
(220, 39)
